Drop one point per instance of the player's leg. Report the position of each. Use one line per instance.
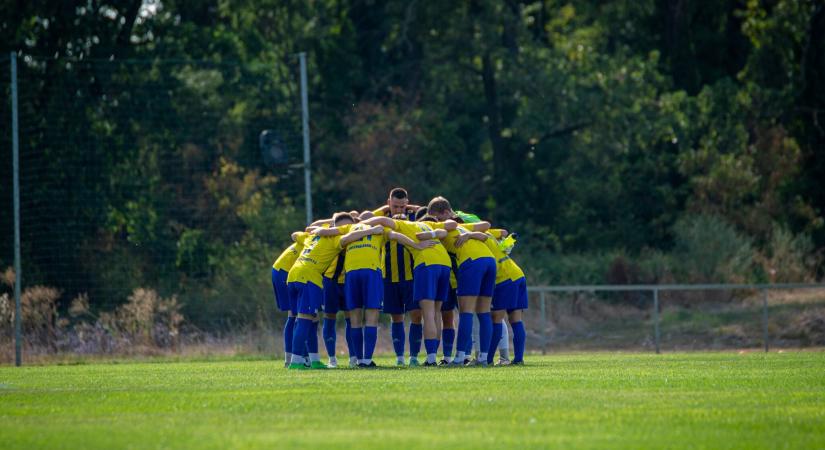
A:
(355, 305)
(519, 334)
(448, 326)
(487, 286)
(416, 333)
(310, 298)
(331, 307)
(279, 288)
(373, 290)
(393, 305)
(312, 343)
(289, 331)
(427, 313)
(498, 310)
(498, 324)
(504, 345)
(353, 359)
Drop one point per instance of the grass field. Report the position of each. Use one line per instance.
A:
(594, 400)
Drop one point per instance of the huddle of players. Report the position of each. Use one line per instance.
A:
(425, 261)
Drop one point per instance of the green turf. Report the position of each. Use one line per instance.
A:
(701, 400)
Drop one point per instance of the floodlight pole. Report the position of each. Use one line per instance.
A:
(305, 124)
(18, 275)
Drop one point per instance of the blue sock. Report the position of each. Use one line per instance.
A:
(358, 341)
(312, 339)
(447, 340)
(498, 330)
(397, 332)
(416, 332)
(485, 331)
(431, 345)
(370, 338)
(289, 330)
(465, 333)
(300, 334)
(328, 332)
(519, 336)
(348, 335)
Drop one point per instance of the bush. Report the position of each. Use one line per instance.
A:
(709, 250)
(789, 258)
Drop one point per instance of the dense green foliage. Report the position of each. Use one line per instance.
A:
(616, 137)
(572, 401)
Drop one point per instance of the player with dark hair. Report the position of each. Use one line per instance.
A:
(398, 281)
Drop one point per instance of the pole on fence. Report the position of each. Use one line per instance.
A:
(18, 275)
(543, 324)
(765, 318)
(305, 125)
(656, 319)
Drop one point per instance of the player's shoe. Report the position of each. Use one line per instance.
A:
(444, 362)
(476, 363)
(297, 366)
(503, 362)
(333, 363)
(371, 365)
(414, 362)
(353, 362)
(429, 364)
(517, 363)
(400, 363)
(317, 365)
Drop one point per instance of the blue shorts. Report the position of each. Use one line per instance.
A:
(280, 289)
(431, 283)
(364, 289)
(307, 298)
(452, 301)
(520, 298)
(504, 296)
(334, 298)
(398, 297)
(477, 277)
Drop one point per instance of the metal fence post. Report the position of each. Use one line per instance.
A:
(18, 275)
(765, 318)
(656, 319)
(305, 128)
(543, 298)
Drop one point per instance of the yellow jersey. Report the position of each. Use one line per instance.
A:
(472, 249)
(398, 260)
(367, 252)
(506, 268)
(288, 256)
(435, 255)
(319, 252)
(336, 269)
(337, 266)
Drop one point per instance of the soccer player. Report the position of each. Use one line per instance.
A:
(398, 278)
(306, 286)
(510, 296)
(431, 276)
(476, 278)
(280, 271)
